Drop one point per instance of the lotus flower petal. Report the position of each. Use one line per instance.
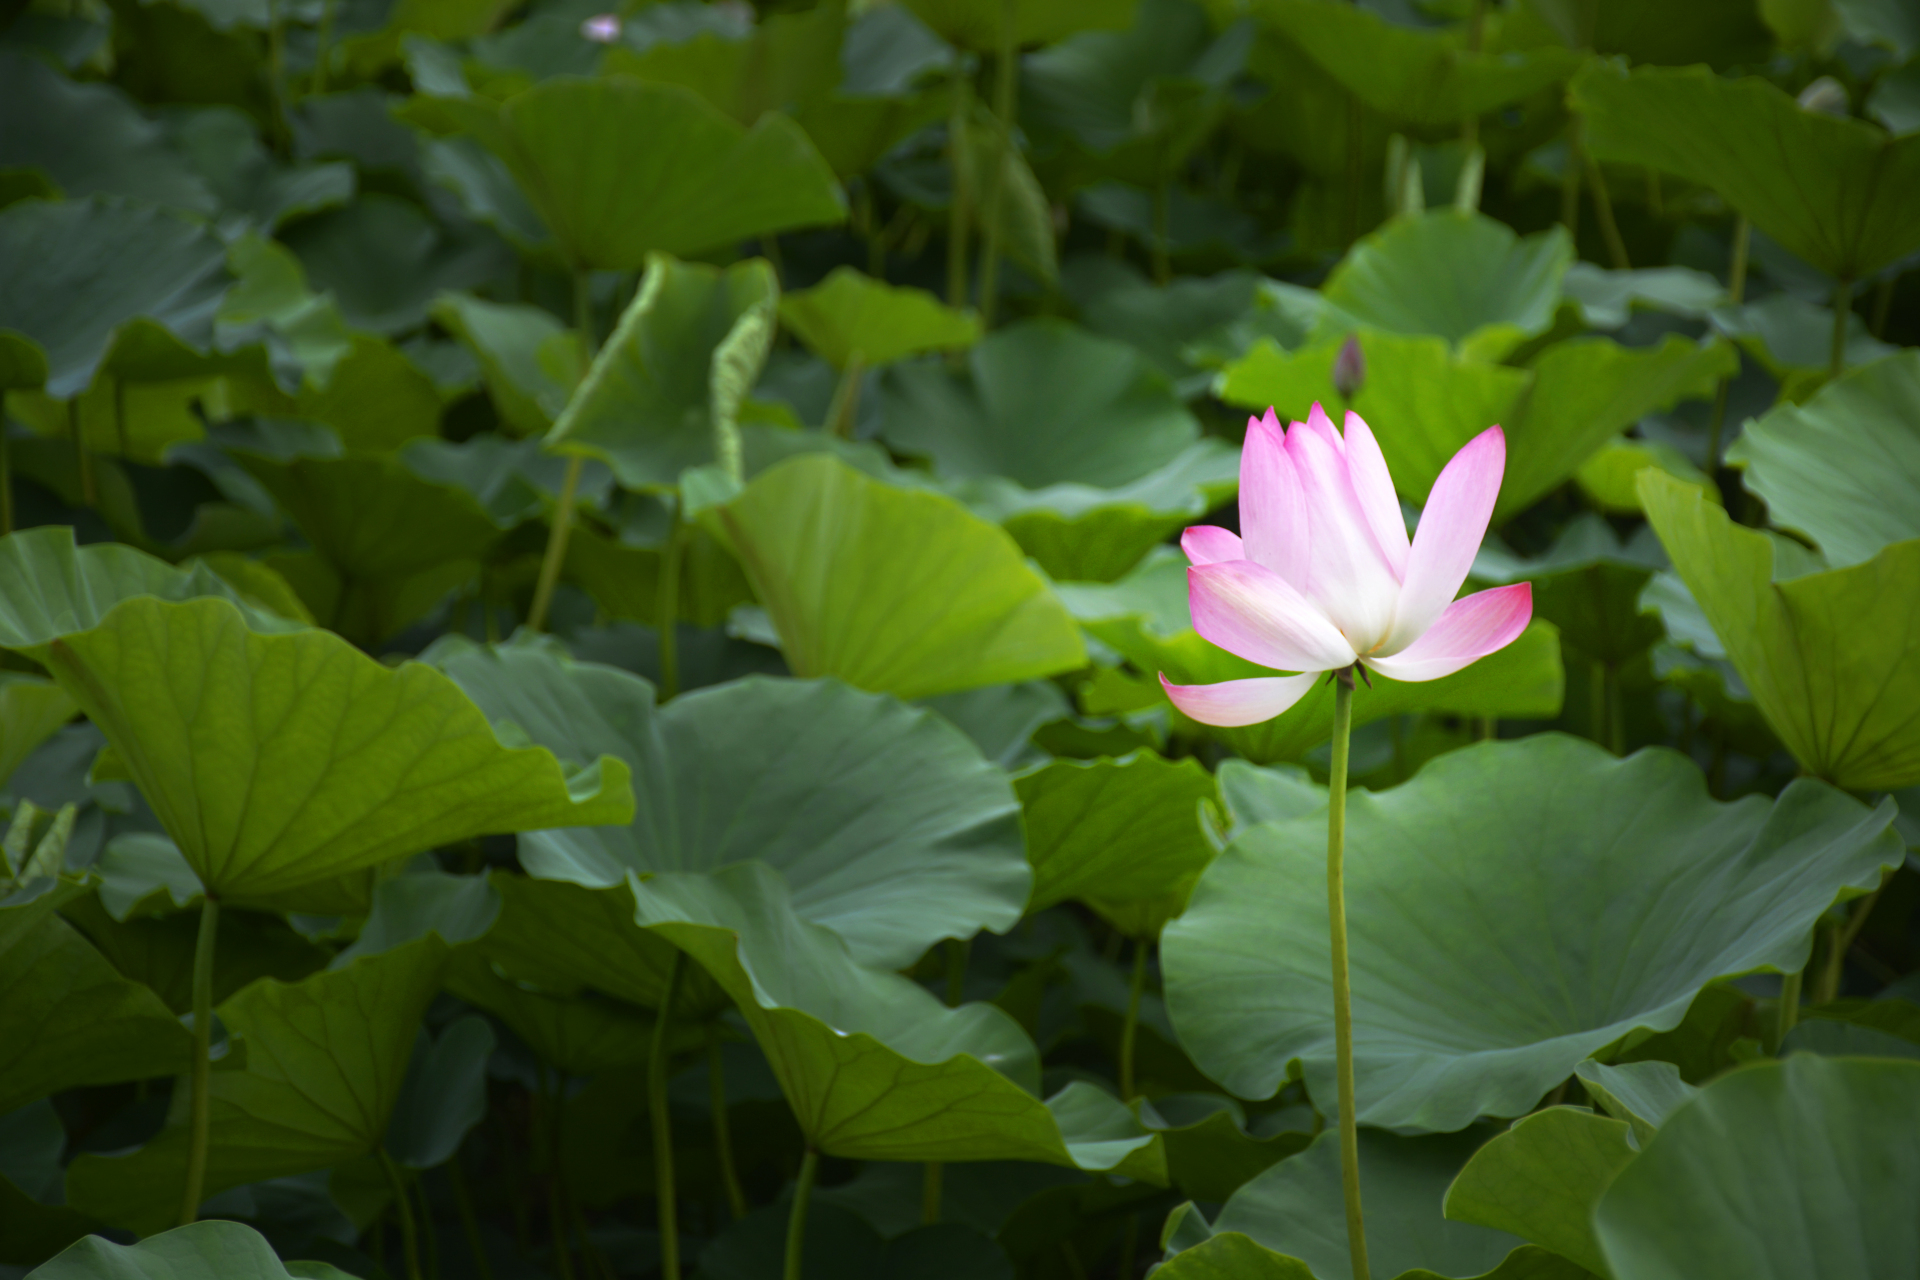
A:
(1232, 703)
(1208, 544)
(1367, 469)
(1249, 610)
(1273, 512)
(1349, 577)
(1451, 527)
(1469, 629)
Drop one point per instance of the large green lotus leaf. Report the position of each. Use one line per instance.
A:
(224, 146)
(873, 1065)
(1232, 1256)
(890, 590)
(975, 24)
(90, 139)
(620, 170)
(375, 398)
(1294, 1209)
(1424, 403)
(1044, 403)
(386, 545)
(229, 1250)
(1640, 1093)
(31, 711)
(671, 378)
(1826, 656)
(1795, 1168)
(1482, 972)
(1145, 617)
(1450, 273)
(885, 822)
(385, 259)
(531, 362)
(1843, 468)
(850, 314)
(1193, 324)
(320, 1063)
(73, 271)
(1418, 76)
(280, 758)
(1124, 836)
(67, 1019)
(1833, 191)
(1081, 533)
(856, 133)
(1541, 1179)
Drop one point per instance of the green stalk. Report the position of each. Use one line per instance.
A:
(200, 1117)
(797, 1220)
(1616, 713)
(667, 607)
(325, 50)
(931, 1190)
(1603, 206)
(556, 1200)
(930, 1186)
(1132, 1024)
(846, 396)
(722, 1126)
(1736, 292)
(1842, 312)
(469, 1220)
(1789, 1011)
(1841, 942)
(1005, 103)
(1882, 304)
(1342, 988)
(662, 1132)
(1570, 181)
(556, 546)
(409, 1242)
(1162, 257)
(961, 210)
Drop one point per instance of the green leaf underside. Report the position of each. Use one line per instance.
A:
(872, 1064)
(324, 1060)
(277, 758)
(894, 591)
(1481, 973)
(884, 821)
(1825, 655)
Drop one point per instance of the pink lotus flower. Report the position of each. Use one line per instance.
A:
(1323, 576)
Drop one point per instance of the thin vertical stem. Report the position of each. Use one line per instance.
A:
(1603, 207)
(1882, 305)
(956, 971)
(1841, 942)
(845, 406)
(1342, 988)
(1132, 1023)
(200, 1119)
(556, 1206)
(82, 459)
(1736, 292)
(583, 311)
(797, 1220)
(722, 1126)
(960, 210)
(931, 1190)
(1789, 1011)
(1616, 713)
(667, 605)
(1162, 261)
(1842, 312)
(657, 1063)
(325, 49)
(1597, 701)
(1570, 181)
(556, 546)
(409, 1241)
(469, 1220)
(1005, 103)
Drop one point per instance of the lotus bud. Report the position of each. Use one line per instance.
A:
(601, 28)
(1350, 369)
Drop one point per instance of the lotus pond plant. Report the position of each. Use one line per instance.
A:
(655, 644)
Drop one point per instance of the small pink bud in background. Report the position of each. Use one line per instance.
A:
(1825, 96)
(601, 28)
(1350, 369)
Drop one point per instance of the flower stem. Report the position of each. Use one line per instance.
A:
(469, 1220)
(845, 406)
(1342, 988)
(1842, 312)
(722, 1128)
(1789, 1011)
(667, 606)
(409, 1242)
(657, 1062)
(797, 1221)
(1006, 80)
(200, 1120)
(556, 546)
(1132, 1024)
(960, 209)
